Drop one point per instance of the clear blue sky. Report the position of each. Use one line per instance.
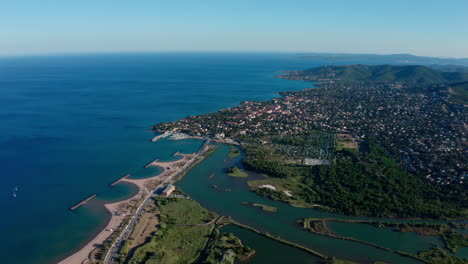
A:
(421, 27)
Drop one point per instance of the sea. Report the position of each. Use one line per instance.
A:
(72, 124)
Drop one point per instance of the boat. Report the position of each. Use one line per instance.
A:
(13, 195)
(16, 188)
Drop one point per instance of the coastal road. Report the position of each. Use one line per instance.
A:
(115, 248)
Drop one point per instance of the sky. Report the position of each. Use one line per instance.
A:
(420, 27)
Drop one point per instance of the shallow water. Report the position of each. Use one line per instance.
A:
(385, 237)
(283, 223)
(269, 251)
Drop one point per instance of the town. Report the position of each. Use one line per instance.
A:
(416, 123)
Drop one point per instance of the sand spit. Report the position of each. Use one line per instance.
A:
(120, 210)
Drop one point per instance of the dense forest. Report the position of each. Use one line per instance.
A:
(387, 73)
(459, 92)
(367, 183)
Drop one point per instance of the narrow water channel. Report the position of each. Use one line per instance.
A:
(270, 251)
(224, 195)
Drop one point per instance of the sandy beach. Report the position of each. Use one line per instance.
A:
(145, 185)
(81, 256)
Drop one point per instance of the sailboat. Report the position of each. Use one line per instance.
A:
(14, 192)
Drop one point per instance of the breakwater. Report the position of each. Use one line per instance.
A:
(120, 179)
(308, 250)
(150, 164)
(306, 226)
(163, 135)
(82, 202)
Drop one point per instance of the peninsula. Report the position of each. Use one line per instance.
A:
(360, 143)
(125, 214)
(383, 141)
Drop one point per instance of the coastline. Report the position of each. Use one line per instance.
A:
(81, 256)
(129, 119)
(120, 211)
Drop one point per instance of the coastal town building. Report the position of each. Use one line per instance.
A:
(417, 124)
(168, 190)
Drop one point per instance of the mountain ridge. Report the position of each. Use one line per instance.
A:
(385, 72)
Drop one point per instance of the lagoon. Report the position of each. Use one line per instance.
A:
(283, 223)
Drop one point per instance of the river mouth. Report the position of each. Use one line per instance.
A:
(209, 185)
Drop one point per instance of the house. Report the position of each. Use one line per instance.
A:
(168, 190)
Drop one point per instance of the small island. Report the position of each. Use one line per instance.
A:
(264, 207)
(236, 172)
(234, 152)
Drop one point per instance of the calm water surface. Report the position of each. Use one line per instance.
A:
(283, 223)
(268, 251)
(70, 125)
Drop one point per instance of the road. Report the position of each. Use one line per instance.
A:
(115, 248)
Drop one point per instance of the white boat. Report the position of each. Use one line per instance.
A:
(13, 195)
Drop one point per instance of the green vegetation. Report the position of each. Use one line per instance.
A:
(459, 93)
(425, 229)
(280, 196)
(370, 184)
(234, 152)
(291, 185)
(236, 172)
(182, 234)
(314, 145)
(437, 255)
(210, 151)
(187, 233)
(263, 158)
(223, 249)
(387, 73)
(124, 250)
(264, 207)
(373, 184)
(315, 225)
(402, 108)
(346, 141)
(454, 240)
(379, 141)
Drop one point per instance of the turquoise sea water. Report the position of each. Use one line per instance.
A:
(70, 125)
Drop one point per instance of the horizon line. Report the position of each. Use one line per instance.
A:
(77, 53)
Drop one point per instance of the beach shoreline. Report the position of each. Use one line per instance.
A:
(118, 210)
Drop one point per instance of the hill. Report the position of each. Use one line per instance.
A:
(376, 59)
(388, 73)
(459, 92)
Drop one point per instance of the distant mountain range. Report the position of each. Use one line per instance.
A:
(398, 73)
(338, 58)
